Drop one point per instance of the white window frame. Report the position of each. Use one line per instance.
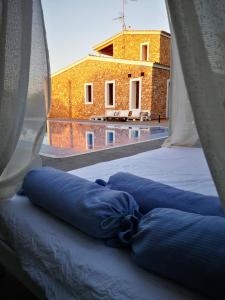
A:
(106, 136)
(93, 139)
(106, 93)
(140, 93)
(141, 51)
(85, 92)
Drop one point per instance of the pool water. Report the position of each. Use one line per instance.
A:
(65, 138)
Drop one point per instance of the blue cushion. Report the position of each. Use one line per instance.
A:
(185, 247)
(97, 211)
(150, 194)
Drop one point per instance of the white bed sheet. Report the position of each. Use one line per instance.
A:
(69, 265)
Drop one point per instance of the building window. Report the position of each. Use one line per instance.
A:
(144, 51)
(135, 93)
(88, 93)
(89, 140)
(109, 137)
(110, 93)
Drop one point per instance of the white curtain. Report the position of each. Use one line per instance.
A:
(199, 27)
(181, 121)
(24, 90)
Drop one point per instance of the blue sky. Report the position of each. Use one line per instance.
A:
(74, 26)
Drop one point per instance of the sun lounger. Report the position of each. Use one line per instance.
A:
(134, 115)
(117, 115)
(145, 115)
(123, 115)
(139, 115)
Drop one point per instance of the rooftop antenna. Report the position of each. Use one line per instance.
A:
(122, 17)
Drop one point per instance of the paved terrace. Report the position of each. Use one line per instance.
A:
(90, 158)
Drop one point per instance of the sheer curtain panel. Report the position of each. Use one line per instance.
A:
(181, 122)
(24, 90)
(199, 28)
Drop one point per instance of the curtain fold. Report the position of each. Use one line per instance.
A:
(1, 16)
(199, 28)
(24, 90)
(181, 121)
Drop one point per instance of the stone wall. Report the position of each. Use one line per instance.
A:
(159, 93)
(165, 50)
(127, 46)
(68, 88)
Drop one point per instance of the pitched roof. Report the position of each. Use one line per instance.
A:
(112, 60)
(109, 41)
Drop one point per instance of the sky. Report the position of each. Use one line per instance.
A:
(74, 26)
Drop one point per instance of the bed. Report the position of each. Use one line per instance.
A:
(63, 263)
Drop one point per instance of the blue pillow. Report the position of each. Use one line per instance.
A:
(150, 194)
(185, 247)
(97, 211)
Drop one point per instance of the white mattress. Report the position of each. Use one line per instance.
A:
(184, 168)
(69, 265)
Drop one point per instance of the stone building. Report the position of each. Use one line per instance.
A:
(130, 71)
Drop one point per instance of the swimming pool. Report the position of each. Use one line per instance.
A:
(65, 138)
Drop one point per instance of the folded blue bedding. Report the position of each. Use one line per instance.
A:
(185, 247)
(150, 194)
(95, 210)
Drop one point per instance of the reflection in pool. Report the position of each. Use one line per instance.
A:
(65, 138)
